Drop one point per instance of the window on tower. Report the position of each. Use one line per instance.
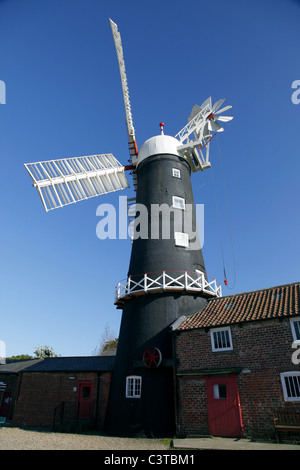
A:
(178, 202)
(176, 173)
(133, 386)
(181, 239)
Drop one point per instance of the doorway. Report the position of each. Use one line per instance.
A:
(224, 409)
(84, 400)
(4, 405)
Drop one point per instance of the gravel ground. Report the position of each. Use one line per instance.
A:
(20, 439)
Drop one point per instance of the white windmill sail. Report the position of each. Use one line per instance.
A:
(69, 180)
(129, 121)
(202, 120)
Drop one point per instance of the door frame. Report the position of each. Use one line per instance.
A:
(224, 413)
(89, 400)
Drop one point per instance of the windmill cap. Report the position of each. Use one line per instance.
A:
(158, 145)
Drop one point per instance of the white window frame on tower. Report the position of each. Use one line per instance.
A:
(133, 386)
(181, 239)
(176, 173)
(178, 202)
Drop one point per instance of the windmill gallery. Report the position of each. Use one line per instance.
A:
(166, 286)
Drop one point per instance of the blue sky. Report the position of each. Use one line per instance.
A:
(64, 99)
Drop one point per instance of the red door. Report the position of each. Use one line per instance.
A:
(224, 410)
(84, 400)
(4, 405)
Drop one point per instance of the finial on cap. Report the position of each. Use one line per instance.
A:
(161, 124)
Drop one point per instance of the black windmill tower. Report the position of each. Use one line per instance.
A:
(166, 278)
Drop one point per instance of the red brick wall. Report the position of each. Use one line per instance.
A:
(262, 347)
(41, 392)
(192, 416)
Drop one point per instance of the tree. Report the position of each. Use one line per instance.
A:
(110, 345)
(19, 357)
(44, 351)
(107, 342)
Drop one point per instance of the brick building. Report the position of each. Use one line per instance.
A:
(67, 393)
(236, 365)
(10, 374)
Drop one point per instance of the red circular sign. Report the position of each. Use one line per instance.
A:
(152, 357)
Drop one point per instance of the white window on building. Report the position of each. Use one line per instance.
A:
(295, 326)
(133, 386)
(221, 339)
(178, 202)
(181, 239)
(291, 385)
(176, 173)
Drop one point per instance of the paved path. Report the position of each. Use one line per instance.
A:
(222, 443)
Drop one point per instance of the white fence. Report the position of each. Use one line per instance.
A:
(166, 281)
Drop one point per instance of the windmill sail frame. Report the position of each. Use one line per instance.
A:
(69, 180)
(129, 121)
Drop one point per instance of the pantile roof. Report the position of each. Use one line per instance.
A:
(273, 302)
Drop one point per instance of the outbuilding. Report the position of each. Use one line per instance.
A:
(62, 393)
(238, 364)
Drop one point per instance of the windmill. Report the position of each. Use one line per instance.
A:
(166, 277)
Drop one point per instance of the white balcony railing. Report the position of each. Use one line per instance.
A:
(166, 281)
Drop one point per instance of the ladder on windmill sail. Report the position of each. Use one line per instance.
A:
(133, 150)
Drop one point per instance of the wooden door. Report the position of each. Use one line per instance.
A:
(84, 400)
(224, 410)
